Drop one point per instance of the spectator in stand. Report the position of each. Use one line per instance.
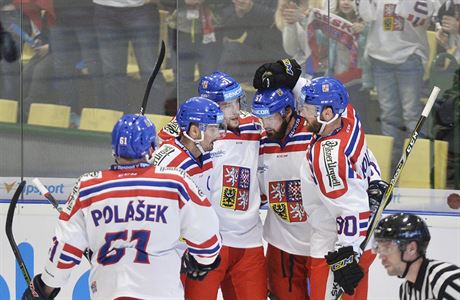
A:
(75, 56)
(447, 26)
(119, 22)
(397, 47)
(250, 37)
(38, 72)
(199, 40)
(9, 71)
(306, 38)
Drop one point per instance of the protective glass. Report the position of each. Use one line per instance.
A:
(385, 247)
(307, 111)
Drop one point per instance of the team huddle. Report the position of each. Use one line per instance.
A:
(177, 215)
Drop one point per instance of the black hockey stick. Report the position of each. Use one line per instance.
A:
(9, 234)
(160, 59)
(44, 191)
(402, 162)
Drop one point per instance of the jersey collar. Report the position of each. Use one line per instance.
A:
(115, 167)
(198, 161)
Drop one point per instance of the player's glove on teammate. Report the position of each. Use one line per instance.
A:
(347, 272)
(283, 73)
(37, 290)
(375, 192)
(194, 269)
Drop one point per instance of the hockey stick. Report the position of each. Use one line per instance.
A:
(161, 57)
(44, 191)
(402, 161)
(9, 234)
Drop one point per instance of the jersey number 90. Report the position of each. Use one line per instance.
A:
(347, 226)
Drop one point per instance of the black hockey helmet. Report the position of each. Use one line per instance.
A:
(404, 228)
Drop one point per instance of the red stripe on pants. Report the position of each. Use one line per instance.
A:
(242, 274)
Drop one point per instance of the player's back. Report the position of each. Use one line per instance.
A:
(132, 219)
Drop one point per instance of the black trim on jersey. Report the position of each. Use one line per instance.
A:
(432, 276)
(442, 290)
(443, 286)
(418, 285)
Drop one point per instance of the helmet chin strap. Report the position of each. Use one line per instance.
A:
(325, 123)
(408, 264)
(197, 142)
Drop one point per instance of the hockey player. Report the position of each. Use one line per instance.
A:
(235, 196)
(201, 123)
(285, 229)
(401, 241)
(131, 217)
(342, 170)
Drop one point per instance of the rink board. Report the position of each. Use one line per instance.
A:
(35, 220)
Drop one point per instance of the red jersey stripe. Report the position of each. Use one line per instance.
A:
(206, 244)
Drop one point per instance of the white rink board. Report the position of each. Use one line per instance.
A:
(35, 220)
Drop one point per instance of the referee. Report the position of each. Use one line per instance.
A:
(401, 241)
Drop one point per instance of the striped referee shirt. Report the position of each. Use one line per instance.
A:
(435, 280)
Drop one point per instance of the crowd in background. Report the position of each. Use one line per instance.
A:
(379, 50)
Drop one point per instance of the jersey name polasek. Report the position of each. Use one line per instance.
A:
(134, 212)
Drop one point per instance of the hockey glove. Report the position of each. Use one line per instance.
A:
(283, 73)
(194, 269)
(36, 290)
(375, 192)
(347, 272)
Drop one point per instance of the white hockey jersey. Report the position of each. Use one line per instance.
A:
(131, 217)
(335, 184)
(397, 28)
(172, 153)
(286, 226)
(235, 193)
